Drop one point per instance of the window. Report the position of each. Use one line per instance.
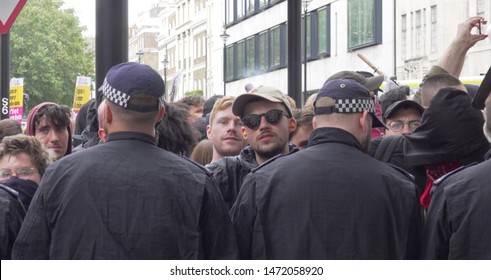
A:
(262, 55)
(250, 6)
(309, 35)
(229, 11)
(240, 62)
(364, 23)
(323, 30)
(275, 47)
(418, 34)
(250, 56)
(241, 8)
(229, 75)
(262, 3)
(404, 36)
(433, 30)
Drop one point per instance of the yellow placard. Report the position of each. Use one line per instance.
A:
(16, 98)
(82, 93)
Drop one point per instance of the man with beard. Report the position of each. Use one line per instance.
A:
(330, 200)
(268, 121)
(224, 129)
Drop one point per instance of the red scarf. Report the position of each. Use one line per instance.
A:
(433, 172)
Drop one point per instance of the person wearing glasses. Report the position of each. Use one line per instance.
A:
(330, 200)
(403, 117)
(23, 161)
(268, 120)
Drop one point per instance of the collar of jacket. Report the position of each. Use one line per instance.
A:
(248, 155)
(323, 135)
(128, 135)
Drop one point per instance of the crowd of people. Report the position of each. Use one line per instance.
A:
(354, 174)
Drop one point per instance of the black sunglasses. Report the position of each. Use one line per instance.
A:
(253, 121)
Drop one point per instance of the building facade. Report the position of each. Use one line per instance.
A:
(425, 29)
(400, 38)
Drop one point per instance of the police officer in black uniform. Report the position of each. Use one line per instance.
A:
(127, 198)
(457, 225)
(331, 200)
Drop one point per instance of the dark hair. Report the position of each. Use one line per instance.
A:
(59, 115)
(175, 133)
(9, 127)
(394, 95)
(12, 145)
(193, 100)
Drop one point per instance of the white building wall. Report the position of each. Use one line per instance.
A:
(450, 13)
(386, 56)
(319, 70)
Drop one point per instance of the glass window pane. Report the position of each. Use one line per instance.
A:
(241, 8)
(322, 30)
(240, 63)
(361, 22)
(230, 63)
(250, 6)
(309, 35)
(275, 37)
(251, 55)
(263, 52)
(230, 11)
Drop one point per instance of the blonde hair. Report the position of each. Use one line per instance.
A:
(309, 104)
(220, 105)
(203, 152)
(293, 104)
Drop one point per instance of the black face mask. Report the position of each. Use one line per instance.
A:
(25, 188)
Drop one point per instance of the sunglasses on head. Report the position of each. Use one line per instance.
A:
(273, 117)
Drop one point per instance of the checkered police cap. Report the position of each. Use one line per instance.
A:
(348, 96)
(129, 79)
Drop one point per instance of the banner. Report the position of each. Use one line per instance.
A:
(82, 93)
(16, 98)
(174, 87)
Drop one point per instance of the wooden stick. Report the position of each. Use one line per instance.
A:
(369, 63)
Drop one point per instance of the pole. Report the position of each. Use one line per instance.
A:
(224, 69)
(4, 75)
(304, 57)
(165, 80)
(111, 37)
(294, 52)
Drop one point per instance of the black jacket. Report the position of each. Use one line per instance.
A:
(457, 225)
(329, 201)
(126, 199)
(229, 172)
(11, 216)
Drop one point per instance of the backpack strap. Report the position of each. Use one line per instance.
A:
(387, 147)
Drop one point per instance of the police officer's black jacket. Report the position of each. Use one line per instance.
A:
(126, 199)
(229, 172)
(458, 224)
(329, 201)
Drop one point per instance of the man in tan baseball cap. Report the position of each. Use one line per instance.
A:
(267, 118)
